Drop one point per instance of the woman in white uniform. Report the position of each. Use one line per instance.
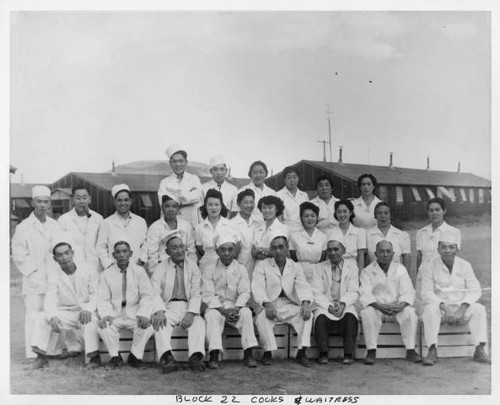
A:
(214, 221)
(308, 246)
(385, 231)
(271, 207)
(364, 206)
(325, 201)
(352, 237)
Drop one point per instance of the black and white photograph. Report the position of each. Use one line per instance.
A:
(255, 203)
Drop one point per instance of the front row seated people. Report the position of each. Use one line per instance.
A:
(335, 286)
(70, 303)
(280, 288)
(226, 291)
(450, 290)
(386, 292)
(176, 283)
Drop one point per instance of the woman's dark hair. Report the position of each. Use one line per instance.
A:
(290, 169)
(257, 163)
(349, 206)
(212, 193)
(437, 200)
(307, 205)
(245, 193)
(371, 177)
(324, 177)
(380, 204)
(272, 200)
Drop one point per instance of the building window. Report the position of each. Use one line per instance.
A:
(430, 193)
(481, 196)
(448, 193)
(416, 194)
(463, 195)
(146, 201)
(383, 193)
(471, 195)
(399, 195)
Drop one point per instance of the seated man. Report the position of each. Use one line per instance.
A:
(124, 301)
(450, 290)
(280, 287)
(386, 291)
(70, 303)
(226, 291)
(176, 283)
(335, 285)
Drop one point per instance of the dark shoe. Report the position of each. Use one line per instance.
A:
(432, 356)
(168, 363)
(115, 362)
(302, 359)
(413, 357)
(248, 359)
(94, 362)
(195, 362)
(323, 358)
(371, 355)
(40, 363)
(348, 360)
(480, 354)
(267, 359)
(214, 361)
(133, 361)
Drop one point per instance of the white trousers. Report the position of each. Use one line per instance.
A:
(43, 333)
(174, 312)
(111, 336)
(475, 316)
(289, 313)
(372, 322)
(215, 327)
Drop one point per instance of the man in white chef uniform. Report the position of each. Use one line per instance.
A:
(450, 291)
(386, 292)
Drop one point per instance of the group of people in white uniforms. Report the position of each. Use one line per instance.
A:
(252, 229)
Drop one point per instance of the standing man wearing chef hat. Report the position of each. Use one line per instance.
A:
(184, 186)
(70, 303)
(160, 229)
(335, 285)
(450, 291)
(226, 291)
(31, 254)
(177, 283)
(122, 225)
(218, 169)
(281, 289)
(386, 291)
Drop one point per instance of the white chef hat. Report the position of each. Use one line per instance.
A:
(119, 187)
(334, 238)
(117, 239)
(40, 191)
(171, 235)
(217, 160)
(225, 237)
(450, 237)
(175, 148)
(170, 196)
(278, 233)
(60, 238)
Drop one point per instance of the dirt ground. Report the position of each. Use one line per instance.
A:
(449, 376)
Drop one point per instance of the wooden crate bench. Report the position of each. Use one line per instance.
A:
(125, 345)
(335, 346)
(453, 341)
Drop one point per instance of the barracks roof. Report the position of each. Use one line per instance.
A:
(18, 190)
(402, 175)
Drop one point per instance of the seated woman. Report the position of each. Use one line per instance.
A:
(325, 201)
(364, 206)
(308, 246)
(353, 238)
(385, 231)
(214, 214)
(271, 208)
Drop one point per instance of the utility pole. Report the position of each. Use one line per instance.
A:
(324, 149)
(328, 112)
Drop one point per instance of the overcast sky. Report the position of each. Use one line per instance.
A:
(90, 87)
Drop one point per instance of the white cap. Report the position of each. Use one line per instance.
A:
(172, 196)
(62, 237)
(333, 238)
(40, 191)
(217, 160)
(277, 233)
(117, 188)
(117, 239)
(450, 237)
(335, 234)
(173, 149)
(225, 237)
(171, 235)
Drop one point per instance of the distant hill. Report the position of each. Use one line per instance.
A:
(160, 167)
